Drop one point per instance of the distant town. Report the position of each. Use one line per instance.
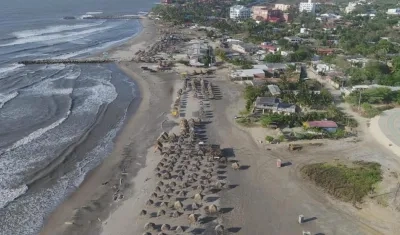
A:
(309, 56)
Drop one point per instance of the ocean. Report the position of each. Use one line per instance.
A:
(57, 122)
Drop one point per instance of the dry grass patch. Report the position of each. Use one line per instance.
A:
(347, 183)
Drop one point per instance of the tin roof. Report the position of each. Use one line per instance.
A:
(322, 124)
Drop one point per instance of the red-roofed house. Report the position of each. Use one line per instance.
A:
(329, 126)
(325, 51)
(260, 13)
(269, 48)
(263, 13)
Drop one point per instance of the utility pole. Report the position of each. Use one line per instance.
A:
(359, 102)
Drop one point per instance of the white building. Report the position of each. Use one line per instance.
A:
(352, 6)
(282, 7)
(239, 12)
(294, 39)
(307, 6)
(328, 16)
(395, 11)
(304, 31)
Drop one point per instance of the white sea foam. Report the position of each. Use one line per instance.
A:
(60, 37)
(46, 87)
(10, 68)
(27, 217)
(91, 50)
(36, 134)
(4, 98)
(94, 12)
(98, 95)
(29, 54)
(74, 74)
(55, 67)
(53, 29)
(8, 195)
(85, 16)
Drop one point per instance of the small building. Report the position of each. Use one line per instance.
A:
(239, 12)
(304, 31)
(394, 11)
(286, 53)
(307, 7)
(232, 40)
(274, 105)
(269, 48)
(278, 67)
(260, 13)
(322, 67)
(263, 13)
(294, 39)
(274, 90)
(247, 74)
(358, 62)
(329, 126)
(243, 48)
(282, 7)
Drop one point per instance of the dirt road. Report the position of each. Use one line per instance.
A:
(269, 200)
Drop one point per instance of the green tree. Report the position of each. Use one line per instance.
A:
(268, 119)
(273, 58)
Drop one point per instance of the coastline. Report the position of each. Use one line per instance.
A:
(96, 190)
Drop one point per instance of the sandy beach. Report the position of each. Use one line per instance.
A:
(84, 210)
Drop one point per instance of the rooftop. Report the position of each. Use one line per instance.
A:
(322, 124)
(292, 38)
(274, 89)
(267, 100)
(238, 7)
(246, 72)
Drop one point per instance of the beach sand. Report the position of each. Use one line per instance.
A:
(93, 201)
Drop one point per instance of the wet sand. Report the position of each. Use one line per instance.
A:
(111, 182)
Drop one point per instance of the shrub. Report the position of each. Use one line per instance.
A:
(269, 138)
(349, 184)
(369, 110)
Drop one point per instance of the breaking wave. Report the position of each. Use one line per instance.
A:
(8, 195)
(62, 37)
(53, 29)
(10, 68)
(6, 98)
(36, 134)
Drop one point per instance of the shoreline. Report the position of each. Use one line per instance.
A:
(93, 187)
